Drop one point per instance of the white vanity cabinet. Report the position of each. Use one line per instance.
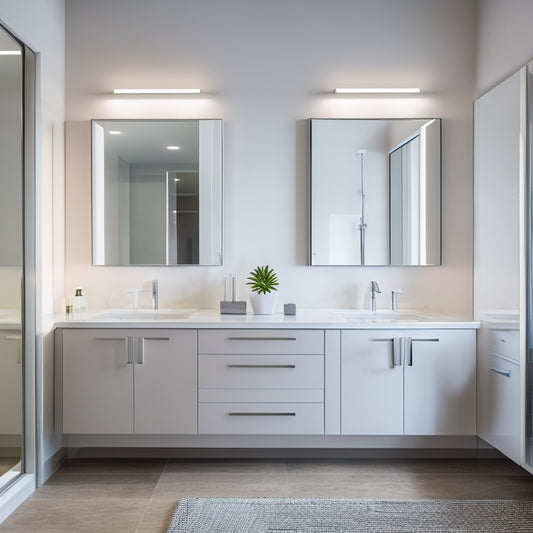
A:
(412, 382)
(125, 381)
(261, 382)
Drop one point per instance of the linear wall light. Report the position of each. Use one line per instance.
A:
(383, 90)
(156, 91)
(10, 52)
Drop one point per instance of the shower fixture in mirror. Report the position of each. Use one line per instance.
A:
(157, 192)
(375, 192)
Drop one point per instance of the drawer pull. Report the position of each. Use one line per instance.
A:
(140, 357)
(396, 349)
(261, 414)
(506, 373)
(409, 347)
(261, 366)
(261, 338)
(128, 345)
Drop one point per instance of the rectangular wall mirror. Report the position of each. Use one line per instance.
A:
(375, 192)
(157, 192)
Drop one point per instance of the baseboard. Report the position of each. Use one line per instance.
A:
(280, 453)
(52, 465)
(14, 495)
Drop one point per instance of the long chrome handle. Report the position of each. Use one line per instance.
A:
(396, 349)
(409, 347)
(140, 354)
(261, 338)
(506, 373)
(261, 414)
(261, 366)
(129, 350)
(128, 346)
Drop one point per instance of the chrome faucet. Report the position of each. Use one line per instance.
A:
(155, 295)
(394, 298)
(374, 288)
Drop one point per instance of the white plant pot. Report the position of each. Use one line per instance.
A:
(264, 304)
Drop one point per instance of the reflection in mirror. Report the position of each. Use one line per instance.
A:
(375, 192)
(157, 192)
(11, 258)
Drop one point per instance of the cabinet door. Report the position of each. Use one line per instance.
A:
(97, 381)
(440, 385)
(165, 382)
(371, 383)
(10, 383)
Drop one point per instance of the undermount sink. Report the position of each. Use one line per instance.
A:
(362, 315)
(146, 314)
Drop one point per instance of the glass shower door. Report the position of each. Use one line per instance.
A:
(11, 258)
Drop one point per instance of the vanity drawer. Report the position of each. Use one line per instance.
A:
(505, 342)
(260, 341)
(261, 395)
(261, 371)
(504, 406)
(261, 418)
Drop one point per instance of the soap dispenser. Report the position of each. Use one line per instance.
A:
(78, 304)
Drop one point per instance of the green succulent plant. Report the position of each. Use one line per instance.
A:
(263, 280)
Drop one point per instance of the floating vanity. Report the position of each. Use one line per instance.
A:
(323, 378)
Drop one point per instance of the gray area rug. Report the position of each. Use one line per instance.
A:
(289, 515)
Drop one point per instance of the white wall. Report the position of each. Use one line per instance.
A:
(265, 68)
(41, 25)
(505, 40)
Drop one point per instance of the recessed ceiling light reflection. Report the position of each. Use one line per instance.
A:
(10, 52)
(173, 147)
(114, 132)
(176, 179)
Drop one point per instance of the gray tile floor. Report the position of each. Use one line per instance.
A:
(7, 463)
(138, 496)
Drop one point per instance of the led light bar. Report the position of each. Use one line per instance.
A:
(156, 91)
(382, 90)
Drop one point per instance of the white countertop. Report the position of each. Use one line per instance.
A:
(304, 319)
(500, 319)
(10, 319)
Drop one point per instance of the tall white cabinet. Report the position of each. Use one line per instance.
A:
(500, 147)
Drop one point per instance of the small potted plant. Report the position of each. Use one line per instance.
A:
(263, 281)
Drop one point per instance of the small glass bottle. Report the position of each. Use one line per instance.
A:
(78, 305)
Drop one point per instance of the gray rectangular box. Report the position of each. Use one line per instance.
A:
(232, 308)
